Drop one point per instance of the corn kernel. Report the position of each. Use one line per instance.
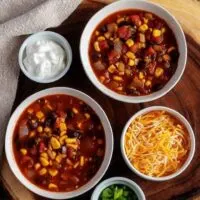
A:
(148, 83)
(63, 126)
(143, 28)
(117, 78)
(107, 35)
(62, 139)
(52, 154)
(129, 42)
(112, 69)
(142, 45)
(55, 143)
(37, 166)
(30, 111)
(163, 30)
(97, 33)
(130, 55)
(96, 46)
(47, 130)
(23, 151)
(121, 73)
(69, 162)
(43, 171)
(63, 133)
(59, 158)
(32, 134)
(151, 29)
(40, 129)
(120, 88)
(50, 163)
(71, 140)
(102, 79)
(119, 20)
(79, 125)
(81, 161)
(74, 146)
(131, 62)
(156, 33)
(141, 75)
(121, 67)
(44, 161)
(44, 155)
(52, 186)
(53, 172)
(101, 38)
(159, 72)
(87, 115)
(75, 110)
(76, 165)
(39, 114)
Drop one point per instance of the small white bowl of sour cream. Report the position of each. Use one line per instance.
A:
(45, 57)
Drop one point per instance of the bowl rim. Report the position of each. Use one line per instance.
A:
(63, 43)
(10, 152)
(183, 120)
(118, 180)
(125, 98)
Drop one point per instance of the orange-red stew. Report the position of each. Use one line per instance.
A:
(133, 52)
(59, 143)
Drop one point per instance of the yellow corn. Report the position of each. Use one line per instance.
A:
(40, 129)
(129, 42)
(141, 75)
(131, 62)
(76, 165)
(120, 88)
(44, 161)
(101, 38)
(47, 130)
(97, 33)
(39, 114)
(87, 115)
(55, 143)
(119, 20)
(121, 67)
(112, 69)
(143, 28)
(156, 33)
(59, 158)
(37, 166)
(142, 45)
(75, 111)
(96, 46)
(145, 20)
(32, 134)
(159, 72)
(148, 83)
(52, 186)
(62, 139)
(53, 172)
(30, 111)
(63, 133)
(71, 140)
(81, 161)
(44, 155)
(117, 78)
(63, 126)
(102, 79)
(43, 171)
(163, 30)
(130, 55)
(74, 146)
(50, 163)
(23, 151)
(52, 154)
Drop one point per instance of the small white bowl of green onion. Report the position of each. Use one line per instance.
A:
(118, 188)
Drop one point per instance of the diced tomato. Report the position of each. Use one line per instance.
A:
(124, 49)
(150, 51)
(134, 48)
(136, 20)
(151, 67)
(103, 44)
(27, 160)
(113, 57)
(33, 151)
(42, 147)
(124, 32)
(157, 40)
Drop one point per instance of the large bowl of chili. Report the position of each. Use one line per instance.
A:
(59, 143)
(133, 51)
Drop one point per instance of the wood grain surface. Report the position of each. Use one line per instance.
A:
(185, 98)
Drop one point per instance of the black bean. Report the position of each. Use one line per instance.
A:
(74, 133)
(70, 114)
(95, 118)
(174, 55)
(124, 23)
(96, 56)
(103, 29)
(85, 108)
(157, 87)
(33, 123)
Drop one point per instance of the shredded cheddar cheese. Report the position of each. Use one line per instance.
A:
(157, 144)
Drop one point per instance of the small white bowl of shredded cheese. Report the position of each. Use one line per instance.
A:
(45, 57)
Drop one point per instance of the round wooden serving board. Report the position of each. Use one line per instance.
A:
(185, 98)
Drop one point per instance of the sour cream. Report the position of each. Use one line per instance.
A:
(44, 59)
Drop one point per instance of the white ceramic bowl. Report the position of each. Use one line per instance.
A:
(9, 145)
(60, 40)
(119, 181)
(191, 136)
(136, 4)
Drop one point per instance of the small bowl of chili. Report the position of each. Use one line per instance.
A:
(133, 51)
(117, 188)
(59, 143)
